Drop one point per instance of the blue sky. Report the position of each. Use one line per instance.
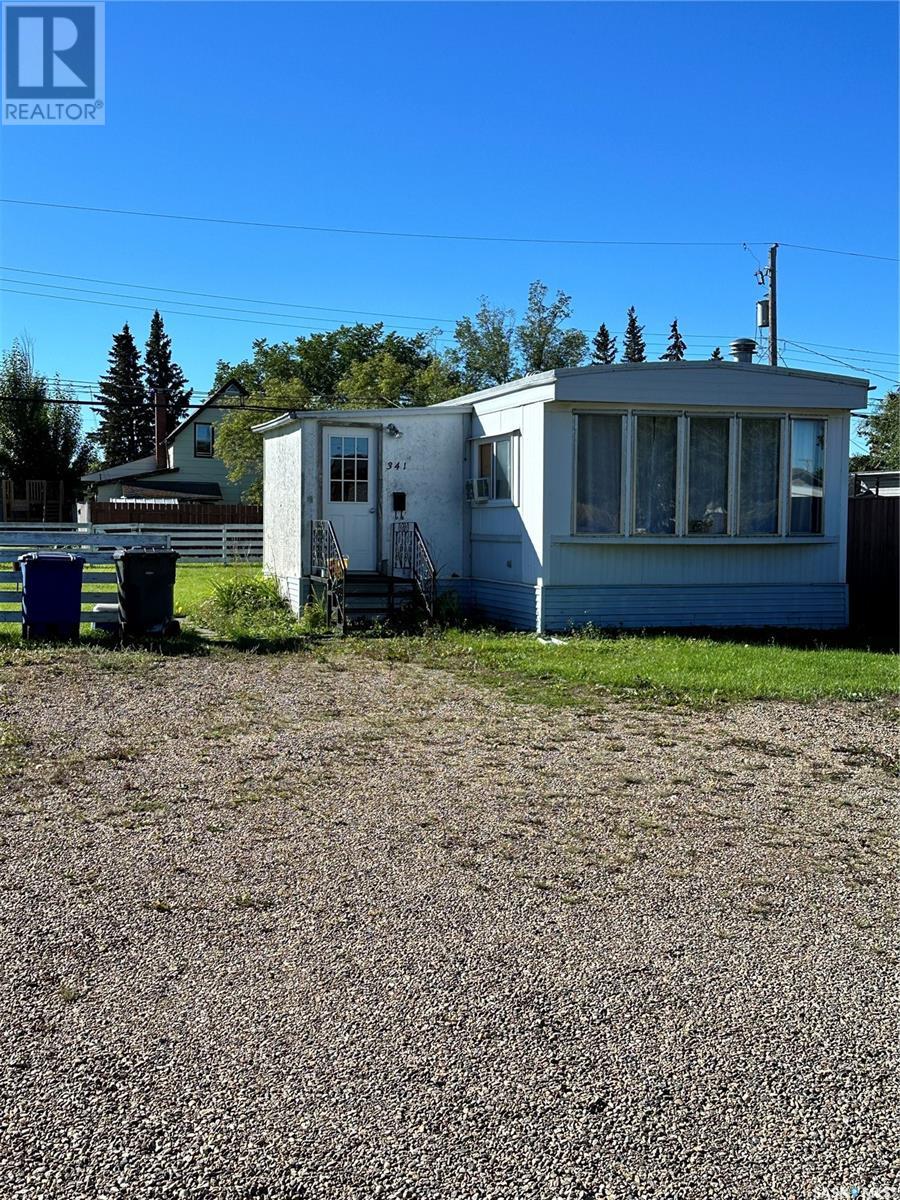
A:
(711, 122)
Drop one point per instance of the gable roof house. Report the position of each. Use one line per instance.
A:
(634, 495)
(184, 466)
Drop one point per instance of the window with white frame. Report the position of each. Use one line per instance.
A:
(598, 497)
(807, 475)
(655, 474)
(494, 469)
(759, 476)
(709, 466)
(699, 475)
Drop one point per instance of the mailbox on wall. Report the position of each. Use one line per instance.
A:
(399, 499)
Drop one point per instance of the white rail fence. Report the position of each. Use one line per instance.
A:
(194, 543)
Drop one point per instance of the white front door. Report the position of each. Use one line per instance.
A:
(350, 484)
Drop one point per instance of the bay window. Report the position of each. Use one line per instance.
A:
(698, 475)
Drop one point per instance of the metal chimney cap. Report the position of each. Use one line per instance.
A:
(743, 349)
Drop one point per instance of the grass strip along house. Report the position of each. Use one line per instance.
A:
(634, 496)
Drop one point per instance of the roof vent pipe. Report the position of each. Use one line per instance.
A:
(742, 350)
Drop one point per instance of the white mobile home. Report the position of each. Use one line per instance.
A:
(635, 495)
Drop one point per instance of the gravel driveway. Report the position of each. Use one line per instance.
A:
(290, 926)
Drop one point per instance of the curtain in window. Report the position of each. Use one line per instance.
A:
(708, 475)
(598, 477)
(760, 455)
(655, 462)
(502, 456)
(807, 463)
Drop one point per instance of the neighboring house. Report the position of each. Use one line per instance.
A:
(875, 483)
(634, 495)
(185, 466)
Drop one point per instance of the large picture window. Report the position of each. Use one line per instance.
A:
(655, 474)
(708, 457)
(759, 474)
(807, 469)
(598, 499)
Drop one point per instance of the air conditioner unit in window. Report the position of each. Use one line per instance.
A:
(478, 490)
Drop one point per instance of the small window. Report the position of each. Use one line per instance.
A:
(807, 475)
(708, 448)
(598, 476)
(349, 470)
(204, 437)
(759, 471)
(656, 459)
(494, 461)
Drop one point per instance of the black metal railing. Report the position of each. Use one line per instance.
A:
(410, 560)
(328, 564)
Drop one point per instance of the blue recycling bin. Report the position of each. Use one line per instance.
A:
(51, 595)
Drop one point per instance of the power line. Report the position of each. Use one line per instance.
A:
(661, 337)
(786, 342)
(192, 304)
(218, 296)
(385, 233)
(449, 237)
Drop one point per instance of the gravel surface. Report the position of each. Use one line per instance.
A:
(290, 926)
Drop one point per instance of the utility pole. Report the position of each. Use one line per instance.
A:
(773, 308)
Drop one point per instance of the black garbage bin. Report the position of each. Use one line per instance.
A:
(146, 583)
(51, 594)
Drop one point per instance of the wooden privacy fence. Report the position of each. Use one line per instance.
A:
(195, 543)
(873, 564)
(93, 547)
(112, 512)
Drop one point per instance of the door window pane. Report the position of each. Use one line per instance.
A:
(656, 449)
(349, 470)
(502, 489)
(598, 476)
(760, 462)
(708, 475)
(807, 464)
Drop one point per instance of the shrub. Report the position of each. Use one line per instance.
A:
(249, 607)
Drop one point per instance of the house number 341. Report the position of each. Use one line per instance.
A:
(396, 466)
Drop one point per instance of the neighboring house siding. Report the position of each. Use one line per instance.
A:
(203, 470)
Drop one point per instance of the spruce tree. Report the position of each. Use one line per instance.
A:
(125, 430)
(635, 351)
(675, 350)
(161, 372)
(604, 347)
(716, 355)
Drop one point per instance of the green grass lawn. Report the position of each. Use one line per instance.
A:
(194, 583)
(660, 668)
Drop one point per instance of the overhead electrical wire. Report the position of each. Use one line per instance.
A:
(450, 237)
(654, 338)
(831, 358)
